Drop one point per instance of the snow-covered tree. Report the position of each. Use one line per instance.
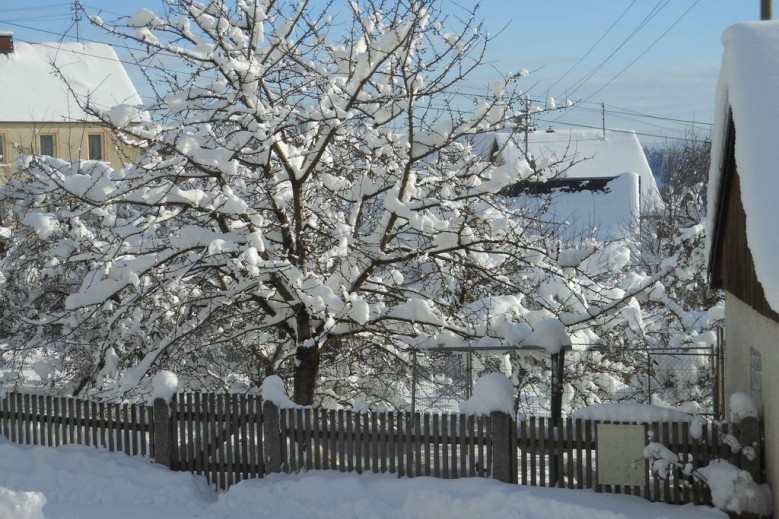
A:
(307, 194)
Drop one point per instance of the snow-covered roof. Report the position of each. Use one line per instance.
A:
(749, 80)
(585, 153)
(607, 210)
(33, 92)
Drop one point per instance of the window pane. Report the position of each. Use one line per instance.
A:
(47, 145)
(3, 158)
(95, 147)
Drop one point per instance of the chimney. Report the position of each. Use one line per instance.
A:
(6, 42)
(766, 9)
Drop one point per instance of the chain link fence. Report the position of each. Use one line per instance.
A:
(684, 378)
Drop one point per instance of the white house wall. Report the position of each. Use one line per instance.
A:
(746, 329)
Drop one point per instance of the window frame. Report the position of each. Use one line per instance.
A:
(54, 143)
(103, 147)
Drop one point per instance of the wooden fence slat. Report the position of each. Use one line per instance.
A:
(26, 419)
(677, 483)
(665, 437)
(15, 421)
(349, 437)
(94, 423)
(53, 426)
(437, 446)
(229, 475)
(34, 419)
(480, 444)
(252, 471)
(685, 438)
(446, 450)
(418, 445)
(198, 429)
(375, 441)
(210, 445)
(463, 431)
(4, 415)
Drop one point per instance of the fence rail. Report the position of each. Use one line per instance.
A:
(230, 438)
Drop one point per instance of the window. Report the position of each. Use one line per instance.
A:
(3, 151)
(95, 142)
(47, 144)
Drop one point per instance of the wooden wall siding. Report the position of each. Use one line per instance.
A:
(737, 266)
(53, 421)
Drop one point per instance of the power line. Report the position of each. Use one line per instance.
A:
(645, 50)
(654, 12)
(642, 115)
(643, 134)
(593, 45)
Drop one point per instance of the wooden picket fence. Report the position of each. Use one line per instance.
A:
(230, 438)
(566, 457)
(53, 421)
(217, 435)
(438, 445)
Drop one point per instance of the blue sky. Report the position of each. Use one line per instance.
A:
(572, 47)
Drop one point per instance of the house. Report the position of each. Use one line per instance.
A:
(38, 111)
(605, 208)
(579, 154)
(743, 221)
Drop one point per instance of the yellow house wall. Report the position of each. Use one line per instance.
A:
(71, 142)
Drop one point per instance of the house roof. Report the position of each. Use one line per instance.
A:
(604, 208)
(32, 91)
(749, 80)
(585, 154)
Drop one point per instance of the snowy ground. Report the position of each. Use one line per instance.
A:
(87, 483)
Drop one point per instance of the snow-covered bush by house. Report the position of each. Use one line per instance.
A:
(734, 490)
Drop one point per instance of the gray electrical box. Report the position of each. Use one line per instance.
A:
(621, 454)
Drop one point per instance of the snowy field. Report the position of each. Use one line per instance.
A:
(86, 483)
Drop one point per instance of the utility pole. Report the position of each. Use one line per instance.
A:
(766, 9)
(603, 118)
(77, 17)
(527, 124)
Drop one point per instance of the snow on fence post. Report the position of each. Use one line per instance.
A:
(162, 440)
(271, 436)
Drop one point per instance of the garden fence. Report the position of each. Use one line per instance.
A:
(228, 438)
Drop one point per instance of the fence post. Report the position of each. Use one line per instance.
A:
(163, 433)
(272, 438)
(749, 437)
(503, 455)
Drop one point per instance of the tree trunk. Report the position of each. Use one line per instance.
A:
(306, 373)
